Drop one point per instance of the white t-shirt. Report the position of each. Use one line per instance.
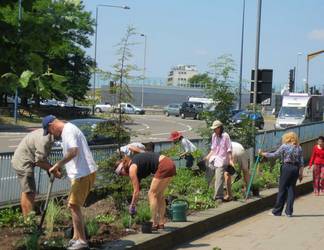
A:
(187, 145)
(125, 149)
(83, 164)
(237, 148)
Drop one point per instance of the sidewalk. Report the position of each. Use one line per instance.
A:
(263, 232)
(203, 222)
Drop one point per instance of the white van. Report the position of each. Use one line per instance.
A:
(299, 108)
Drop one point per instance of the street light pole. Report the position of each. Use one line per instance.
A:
(144, 69)
(95, 52)
(241, 60)
(19, 32)
(296, 73)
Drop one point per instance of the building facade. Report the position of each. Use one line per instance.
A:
(179, 75)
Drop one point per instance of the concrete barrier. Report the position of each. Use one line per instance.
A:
(203, 222)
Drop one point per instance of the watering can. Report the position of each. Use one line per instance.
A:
(178, 210)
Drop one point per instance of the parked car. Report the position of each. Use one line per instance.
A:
(128, 108)
(191, 109)
(88, 127)
(100, 108)
(172, 109)
(246, 114)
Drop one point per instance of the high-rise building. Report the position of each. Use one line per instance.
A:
(180, 75)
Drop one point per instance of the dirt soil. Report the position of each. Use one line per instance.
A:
(11, 236)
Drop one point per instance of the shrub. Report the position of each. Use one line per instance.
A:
(105, 218)
(11, 217)
(52, 214)
(92, 227)
(143, 213)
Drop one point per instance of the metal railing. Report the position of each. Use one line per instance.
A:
(305, 132)
(10, 188)
(9, 184)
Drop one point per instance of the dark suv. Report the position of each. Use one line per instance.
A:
(250, 115)
(191, 109)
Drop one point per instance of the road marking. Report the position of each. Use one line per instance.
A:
(15, 139)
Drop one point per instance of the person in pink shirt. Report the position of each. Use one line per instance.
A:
(317, 159)
(219, 157)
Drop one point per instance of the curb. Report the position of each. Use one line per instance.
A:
(203, 222)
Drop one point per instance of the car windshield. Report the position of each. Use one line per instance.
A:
(298, 112)
(87, 126)
(240, 115)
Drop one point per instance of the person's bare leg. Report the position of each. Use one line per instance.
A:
(161, 199)
(153, 200)
(27, 202)
(246, 176)
(228, 183)
(78, 223)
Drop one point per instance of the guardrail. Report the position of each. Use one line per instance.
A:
(10, 188)
(305, 132)
(9, 184)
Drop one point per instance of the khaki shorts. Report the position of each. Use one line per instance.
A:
(80, 189)
(243, 161)
(27, 181)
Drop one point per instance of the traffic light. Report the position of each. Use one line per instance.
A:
(291, 80)
(112, 88)
(264, 86)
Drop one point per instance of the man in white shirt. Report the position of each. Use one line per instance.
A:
(80, 167)
(242, 158)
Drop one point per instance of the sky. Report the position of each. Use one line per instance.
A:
(197, 32)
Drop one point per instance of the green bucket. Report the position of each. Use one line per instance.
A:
(179, 208)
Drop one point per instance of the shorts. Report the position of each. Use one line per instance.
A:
(242, 160)
(27, 181)
(189, 160)
(166, 169)
(80, 188)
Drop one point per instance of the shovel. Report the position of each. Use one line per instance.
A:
(49, 190)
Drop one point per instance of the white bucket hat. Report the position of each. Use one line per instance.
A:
(216, 124)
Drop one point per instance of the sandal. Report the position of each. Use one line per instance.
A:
(227, 199)
(155, 227)
(161, 226)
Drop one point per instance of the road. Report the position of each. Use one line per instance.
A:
(146, 128)
(303, 231)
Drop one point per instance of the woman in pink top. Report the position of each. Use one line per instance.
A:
(317, 159)
(219, 157)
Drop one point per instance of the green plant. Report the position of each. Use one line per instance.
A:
(125, 220)
(11, 217)
(31, 241)
(52, 214)
(105, 218)
(92, 227)
(143, 213)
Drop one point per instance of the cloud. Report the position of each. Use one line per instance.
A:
(201, 52)
(317, 34)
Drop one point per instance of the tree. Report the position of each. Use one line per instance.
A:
(223, 95)
(122, 71)
(52, 35)
(202, 79)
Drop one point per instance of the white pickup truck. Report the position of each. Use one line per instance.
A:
(100, 108)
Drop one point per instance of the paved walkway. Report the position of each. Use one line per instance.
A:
(303, 231)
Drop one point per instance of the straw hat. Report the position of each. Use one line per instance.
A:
(216, 124)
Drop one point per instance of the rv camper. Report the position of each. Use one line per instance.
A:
(299, 108)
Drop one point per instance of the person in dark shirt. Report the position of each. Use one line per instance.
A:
(291, 155)
(141, 166)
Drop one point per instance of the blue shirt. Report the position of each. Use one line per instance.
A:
(289, 153)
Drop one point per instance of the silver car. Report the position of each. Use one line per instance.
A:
(172, 109)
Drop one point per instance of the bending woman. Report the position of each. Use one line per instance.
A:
(141, 166)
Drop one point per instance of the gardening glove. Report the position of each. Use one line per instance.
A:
(132, 210)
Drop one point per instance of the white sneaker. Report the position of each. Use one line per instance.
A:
(78, 244)
(71, 242)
